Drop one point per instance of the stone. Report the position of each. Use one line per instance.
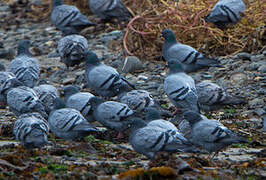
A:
(264, 124)
(257, 102)
(257, 57)
(68, 80)
(262, 68)
(244, 55)
(259, 111)
(114, 35)
(131, 64)
(7, 53)
(238, 78)
(142, 77)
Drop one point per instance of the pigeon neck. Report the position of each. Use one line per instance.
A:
(69, 93)
(95, 102)
(152, 116)
(23, 50)
(171, 40)
(57, 3)
(137, 124)
(59, 104)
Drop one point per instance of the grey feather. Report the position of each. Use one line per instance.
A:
(47, 94)
(190, 59)
(108, 9)
(71, 49)
(24, 66)
(31, 130)
(68, 19)
(23, 99)
(226, 12)
(210, 134)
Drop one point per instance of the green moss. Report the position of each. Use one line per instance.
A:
(92, 139)
(55, 168)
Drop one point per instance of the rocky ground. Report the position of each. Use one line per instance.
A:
(243, 75)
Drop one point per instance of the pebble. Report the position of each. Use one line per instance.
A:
(244, 55)
(238, 78)
(258, 57)
(142, 77)
(257, 102)
(69, 80)
(262, 68)
(131, 64)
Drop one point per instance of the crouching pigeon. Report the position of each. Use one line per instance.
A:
(210, 96)
(108, 9)
(226, 12)
(103, 79)
(31, 130)
(24, 66)
(190, 59)
(68, 19)
(210, 135)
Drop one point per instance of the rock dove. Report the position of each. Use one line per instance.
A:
(79, 101)
(68, 19)
(103, 79)
(71, 49)
(137, 100)
(211, 135)
(226, 12)
(31, 130)
(210, 95)
(180, 88)
(7, 81)
(68, 123)
(150, 139)
(111, 114)
(24, 66)
(190, 59)
(108, 9)
(23, 99)
(47, 94)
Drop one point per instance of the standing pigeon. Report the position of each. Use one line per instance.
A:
(108, 9)
(190, 59)
(104, 80)
(79, 101)
(210, 95)
(226, 12)
(71, 49)
(149, 139)
(68, 123)
(180, 88)
(24, 66)
(23, 99)
(31, 130)
(47, 94)
(68, 19)
(211, 135)
(111, 114)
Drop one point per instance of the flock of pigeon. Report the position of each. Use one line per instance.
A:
(39, 108)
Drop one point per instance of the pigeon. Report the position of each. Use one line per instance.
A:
(210, 135)
(68, 19)
(24, 66)
(190, 59)
(210, 95)
(79, 101)
(226, 12)
(31, 130)
(71, 49)
(111, 114)
(103, 79)
(23, 99)
(108, 9)
(68, 123)
(47, 94)
(7, 81)
(180, 88)
(149, 139)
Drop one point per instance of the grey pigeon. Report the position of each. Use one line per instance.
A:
(108, 9)
(47, 94)
(103, 79)
(68, 123)
(68, 19)
(111, 114)
(150, 139)
(210, 135)
(31, 130)
(137, 100)
(24, 66)
(211, 95)
(7, 81)
(23, 99)
(180, 88)
(190, 59)
(71, 49)
(226, 12)
(79, 101)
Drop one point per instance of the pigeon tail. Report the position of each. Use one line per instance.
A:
(233, 100)
(86, 127)
(209, 62)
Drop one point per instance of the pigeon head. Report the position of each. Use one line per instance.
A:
(57, 3)
(152, 114)
(192, 117)
(37, 138)
(136, 123)
(59, 103)
(2, 67)
(175, 66)
(70, 90)
(95, 102)
(23, 47)
(91, 58)
(169, 36)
